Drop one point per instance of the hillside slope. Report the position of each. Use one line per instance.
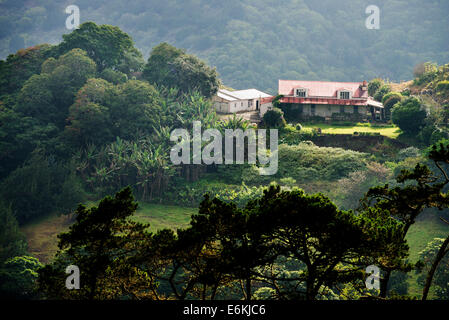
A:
(254, 43)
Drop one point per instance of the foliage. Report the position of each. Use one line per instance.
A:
(374, 85)
(307, 162)
(441, 277)
(20, 66)
(389, 100)
(103, 111)
(12, 242)
(171, 67)
(408, 115)
(241, 40)
(47, 96)
(425, 72)
(40, 187)
(274, 118)
(18, 276)
(106, 45)
(100, 243)
(381, 92)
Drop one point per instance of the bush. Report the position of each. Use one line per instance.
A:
(274, 118)
(307, 162)
(409, 116)
(373, 86)
(378, 96)
(389, 100)
(41, 187)
(410, 152)
(113, 76)
(443, 86)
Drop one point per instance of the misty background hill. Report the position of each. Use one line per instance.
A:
(256, 42)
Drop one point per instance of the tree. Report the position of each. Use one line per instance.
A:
(100, 242)
(21, 66)
(408, 115)
(135, 109)
(47, 96)
(373, 86)
(381, 92)
(436, 263)
(331, 244)
(12, 242)
(274, 118)
(107, 45)
(18, 276)
(171, 67)
(389, 100)
(89, 117)
(421, 189)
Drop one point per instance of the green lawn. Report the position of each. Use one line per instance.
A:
(418, 236)
(390, 131)
(42, 234)
(163, 216)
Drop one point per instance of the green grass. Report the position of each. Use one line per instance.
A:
(388, 131)
(42, 234)
(421, 233)
(164, 216)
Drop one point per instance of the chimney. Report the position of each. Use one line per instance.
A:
(364, 86)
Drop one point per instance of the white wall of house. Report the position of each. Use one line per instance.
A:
(235, 106)
(264, 108)
(326, 110)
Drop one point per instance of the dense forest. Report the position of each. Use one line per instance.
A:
(85, 129)
(255, 43)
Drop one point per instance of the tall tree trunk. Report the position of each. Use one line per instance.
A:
(248, 288)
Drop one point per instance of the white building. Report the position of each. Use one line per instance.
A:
(226, 101)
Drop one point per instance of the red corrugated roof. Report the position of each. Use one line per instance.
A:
(321, 88)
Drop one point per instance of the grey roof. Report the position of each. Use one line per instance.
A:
(247, 94)
(225, 96)
(374, 103)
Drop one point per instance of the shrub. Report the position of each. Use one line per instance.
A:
(374, 85)
(410, 152)
(408, 115)
(389, 100)
(113, 76)
(274, 118)
(443, 86)
(378, 96)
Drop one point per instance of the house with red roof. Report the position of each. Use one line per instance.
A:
(325, 100)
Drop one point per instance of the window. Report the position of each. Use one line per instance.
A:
(312, 109)
(302, 93)
(356, 109)
(241, 104)
(342, 109)
(344, 94)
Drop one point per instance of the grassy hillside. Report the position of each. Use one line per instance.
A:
(42, 238)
